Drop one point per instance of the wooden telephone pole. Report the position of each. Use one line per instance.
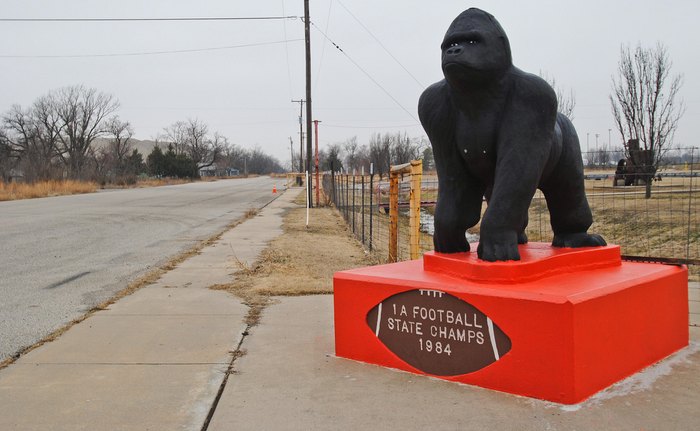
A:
(307, 37)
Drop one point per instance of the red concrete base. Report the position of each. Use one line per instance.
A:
(560, 325)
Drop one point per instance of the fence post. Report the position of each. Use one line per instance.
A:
(414, 220)
(354, 175)
(415, 169)
(371, 195)
(340, 193)
(333, 186)
(362, 207)
(690, 201)
(393, 216)
(347, 197)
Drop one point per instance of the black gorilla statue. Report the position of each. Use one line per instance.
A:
(496, 132)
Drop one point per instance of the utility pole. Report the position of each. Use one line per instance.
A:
(291, 153)
(307, 37)
(301, 134)
(588, 135)
(316, 162)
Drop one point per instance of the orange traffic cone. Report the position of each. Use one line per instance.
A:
(274, 189)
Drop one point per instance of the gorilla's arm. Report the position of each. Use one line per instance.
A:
(523, 147)
(459, 196)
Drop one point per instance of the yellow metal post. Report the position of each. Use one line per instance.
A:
(414, 220)
(393, 216)
(415, 169)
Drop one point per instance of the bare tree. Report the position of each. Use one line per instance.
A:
(404, 149)
(645, 106)
(191, 138)
(83, 113)
(176, 134)
(380, 153)
(33, 136)
(7, 160)
(262, 163)
(350, 146)
(566, 102)
(120, 148)
(331, 157)
(211, 151)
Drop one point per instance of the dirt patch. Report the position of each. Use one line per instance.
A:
(301, 261)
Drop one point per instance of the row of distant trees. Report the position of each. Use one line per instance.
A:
(57, 137)
(382, 151)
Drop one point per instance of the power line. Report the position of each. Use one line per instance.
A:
(286, 50)
(340, 126)
(381, 44)
(131, 54)
(212, 18)
(323, 47)
(365, 72)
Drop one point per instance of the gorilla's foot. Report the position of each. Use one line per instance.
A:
(581, 239)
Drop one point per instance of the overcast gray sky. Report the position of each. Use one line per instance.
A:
(245, 92)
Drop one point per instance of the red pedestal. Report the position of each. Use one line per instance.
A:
(560, 324)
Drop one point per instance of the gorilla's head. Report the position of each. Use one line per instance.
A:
(475, 49)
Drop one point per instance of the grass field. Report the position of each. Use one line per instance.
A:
(42, 189)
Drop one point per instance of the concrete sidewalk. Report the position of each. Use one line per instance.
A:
(155, 360)
(290, 380)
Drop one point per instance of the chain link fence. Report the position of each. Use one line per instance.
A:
(666, 225)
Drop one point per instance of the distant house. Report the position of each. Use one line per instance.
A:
(215, 171)
(15, 175)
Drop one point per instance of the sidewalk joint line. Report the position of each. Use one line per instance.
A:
(236, 354)
(123, 363)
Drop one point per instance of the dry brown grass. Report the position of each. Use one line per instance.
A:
(301, 261)
(667, 225)
(42, 189)
(158, 182)
(17, 191)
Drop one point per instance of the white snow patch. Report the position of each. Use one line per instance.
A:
(641, 381)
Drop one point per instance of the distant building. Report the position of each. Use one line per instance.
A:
(215, 171)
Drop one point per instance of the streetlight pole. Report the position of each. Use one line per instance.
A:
(291, 153)
(301, 135)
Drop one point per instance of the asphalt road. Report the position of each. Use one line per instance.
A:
(61, 256)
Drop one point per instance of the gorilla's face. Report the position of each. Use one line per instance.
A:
(475, 49)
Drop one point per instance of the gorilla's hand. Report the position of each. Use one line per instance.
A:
(495, 246)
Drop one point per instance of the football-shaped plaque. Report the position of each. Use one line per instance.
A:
(437, 333)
